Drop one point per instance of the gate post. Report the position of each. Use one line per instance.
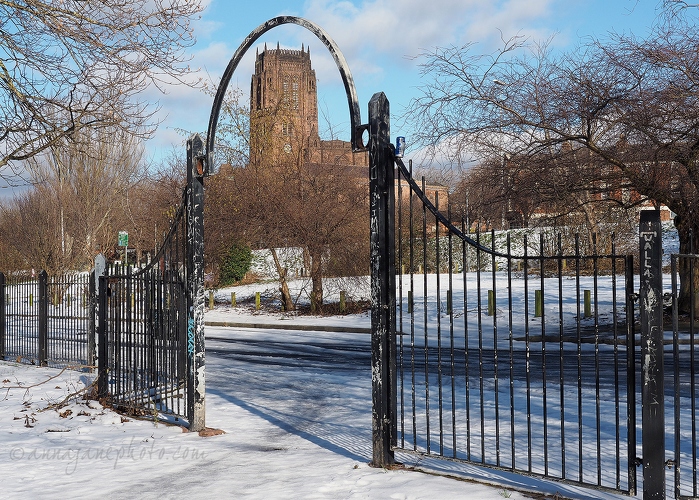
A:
(383, 283)
(652, 369)
(43, 317)
(196, 169)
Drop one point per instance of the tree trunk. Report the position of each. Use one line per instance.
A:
(316, 271)
(688, 269)
(287, 303)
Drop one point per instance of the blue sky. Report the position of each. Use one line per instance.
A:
(380, 40)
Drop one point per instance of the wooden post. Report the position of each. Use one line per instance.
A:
(491, 303)
(587, 303)
(257, 301)
(232, 299)
(211, 299)
(343, 304)
(538, 304)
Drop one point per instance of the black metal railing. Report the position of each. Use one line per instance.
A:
(142, 330)
(510, 355)
(48, 320)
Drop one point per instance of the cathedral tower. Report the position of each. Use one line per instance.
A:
(283, 104)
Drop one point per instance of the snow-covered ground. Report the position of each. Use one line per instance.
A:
(292, 427)
(292, 430)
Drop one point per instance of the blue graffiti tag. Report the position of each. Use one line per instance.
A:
(190, 337)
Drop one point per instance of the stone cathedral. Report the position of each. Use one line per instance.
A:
(284, 113)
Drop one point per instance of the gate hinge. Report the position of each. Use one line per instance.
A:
(633, 296)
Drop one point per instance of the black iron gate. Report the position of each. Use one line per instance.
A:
(513, 353)
(150, 320)
(521, 353)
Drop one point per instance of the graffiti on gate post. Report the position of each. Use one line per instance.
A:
(652, 369)
(196, 171)
(383, 283)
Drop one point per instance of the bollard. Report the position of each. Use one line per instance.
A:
(211, 299)
(410, 301)
(449, 302)
(31, 300)
(343, 304)
(588, 303)
(538, 303)
(491, 303)
(257, 301)
(232, 299)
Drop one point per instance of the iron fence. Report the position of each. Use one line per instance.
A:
(48, 320)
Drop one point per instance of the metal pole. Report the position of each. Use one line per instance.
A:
(102, 383)
(383, 284)
(195, 285)
(43, 318)
(652, 369)
(3, 327)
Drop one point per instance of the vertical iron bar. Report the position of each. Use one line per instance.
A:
(676, 358)
(401, 266)
(561, 358)
(650, 295)
(438, 299)
(383, 282)
(425, 315)
(617, 397)
(43, 318)
(412, 311)
(451, 337)
(693, 388)
(598, 402)
(464, 252)
(630, 375)
(102, 385)
(542, 264)
(510, 337)
(494, 266)
(480, 348)
(578, 338)
(527, 344)
(3, 318)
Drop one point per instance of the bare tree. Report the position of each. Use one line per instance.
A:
(629, 107)
(77, 203)
(81, 64)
